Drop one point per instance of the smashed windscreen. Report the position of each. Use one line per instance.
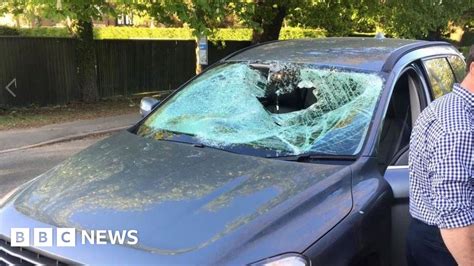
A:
(282, 108)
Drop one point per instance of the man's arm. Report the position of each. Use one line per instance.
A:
(460, 242)
(452, 193)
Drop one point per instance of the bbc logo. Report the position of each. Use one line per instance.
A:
(66, 237)
(43, 237)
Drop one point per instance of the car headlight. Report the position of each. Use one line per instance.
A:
(290, 259)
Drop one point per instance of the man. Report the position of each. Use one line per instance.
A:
(441, 179)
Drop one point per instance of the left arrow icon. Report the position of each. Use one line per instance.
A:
(8, 87)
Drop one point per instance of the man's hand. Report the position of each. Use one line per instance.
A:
(460, 242)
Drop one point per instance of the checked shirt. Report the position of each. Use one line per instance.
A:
(441, 162)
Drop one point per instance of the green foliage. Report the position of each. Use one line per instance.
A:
(30, 10)
(398, 18)
(422, 18)
(63, 9)
(202, 16)
(225, 34)
(339, 18)
(14, 7)
(418, 19)
(78, 9)
(7, 31)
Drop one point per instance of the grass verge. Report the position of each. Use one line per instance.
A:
(35, 116)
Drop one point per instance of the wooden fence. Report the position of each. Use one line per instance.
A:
(43, 70)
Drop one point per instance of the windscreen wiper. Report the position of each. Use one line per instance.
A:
(314, 156)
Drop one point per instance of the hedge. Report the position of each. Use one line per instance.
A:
(44, 32)
(226, 34)
(7, 31)
(142, 33)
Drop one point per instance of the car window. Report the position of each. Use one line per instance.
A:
(459, 67)
(440, 76)
(281, 108)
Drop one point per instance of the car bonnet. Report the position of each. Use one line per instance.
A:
(189, 200)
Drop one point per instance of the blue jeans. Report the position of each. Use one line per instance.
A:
(425, 246)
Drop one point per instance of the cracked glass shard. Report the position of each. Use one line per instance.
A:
(285, 108)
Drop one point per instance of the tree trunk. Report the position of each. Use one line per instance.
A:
(17, 21)
(86, 60)
(198, 69)
(270, 20)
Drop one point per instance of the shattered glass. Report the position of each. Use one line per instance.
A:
(286, 108)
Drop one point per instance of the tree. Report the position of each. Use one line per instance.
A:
(422, 19)
(81, 13)
(339, 18)
(265, 17)
(268, 19)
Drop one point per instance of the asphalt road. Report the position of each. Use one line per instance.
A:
(18, 167)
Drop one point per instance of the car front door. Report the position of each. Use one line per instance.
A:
(429, 79)
(409, 97)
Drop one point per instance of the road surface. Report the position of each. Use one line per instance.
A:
(18, 167)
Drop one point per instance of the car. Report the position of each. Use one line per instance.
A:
(284, 153)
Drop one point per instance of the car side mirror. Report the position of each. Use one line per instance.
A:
(147, 104)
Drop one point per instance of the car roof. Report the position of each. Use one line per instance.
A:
(372, 54)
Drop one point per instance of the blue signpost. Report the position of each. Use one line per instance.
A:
(203, 50)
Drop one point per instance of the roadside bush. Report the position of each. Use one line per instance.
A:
(464, 50)
(225, 34)
(467, 38)
(7, 31)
